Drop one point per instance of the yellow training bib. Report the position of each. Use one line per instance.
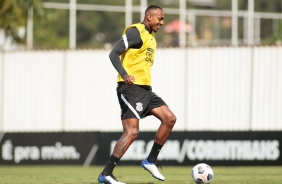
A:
(138, 62)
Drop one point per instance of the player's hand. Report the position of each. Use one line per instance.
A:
(128, 80)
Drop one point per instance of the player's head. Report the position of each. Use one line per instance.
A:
(154, 17)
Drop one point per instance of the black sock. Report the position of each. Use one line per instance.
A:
(110, 165)
(152, 158)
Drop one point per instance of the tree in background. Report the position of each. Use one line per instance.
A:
(97, 29)
(276, 38)
(52, 30)
(14, 15)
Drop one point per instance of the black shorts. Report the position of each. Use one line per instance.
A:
(137, 101)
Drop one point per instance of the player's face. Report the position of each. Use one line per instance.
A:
(157, 20)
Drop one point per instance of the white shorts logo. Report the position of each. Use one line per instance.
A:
(139, 106)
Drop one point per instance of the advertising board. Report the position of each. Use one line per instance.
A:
(183, 148)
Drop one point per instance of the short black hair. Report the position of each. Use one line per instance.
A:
(153, 7)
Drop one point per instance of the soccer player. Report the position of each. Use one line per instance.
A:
(137, 49)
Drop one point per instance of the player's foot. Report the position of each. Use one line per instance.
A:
(111, 179)
(153, 169)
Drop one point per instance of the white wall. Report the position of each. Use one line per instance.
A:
(220, 88)
(267, 89)
(219, 82)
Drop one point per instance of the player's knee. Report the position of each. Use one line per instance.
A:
(172, 120)
(133, 133)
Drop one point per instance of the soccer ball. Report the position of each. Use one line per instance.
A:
(202, 173)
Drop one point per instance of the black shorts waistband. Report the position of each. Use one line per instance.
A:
(133, 87)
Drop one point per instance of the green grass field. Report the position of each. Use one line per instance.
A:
(135, 175)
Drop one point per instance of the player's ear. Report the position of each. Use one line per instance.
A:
(149, 17)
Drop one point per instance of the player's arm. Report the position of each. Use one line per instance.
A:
(131, 39)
